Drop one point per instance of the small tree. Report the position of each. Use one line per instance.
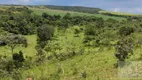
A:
(124, 48)
(45, 15)
(44, 33)
(125, 31)
(67, 16)
(18, 57)
(40, 54)
(16, 40)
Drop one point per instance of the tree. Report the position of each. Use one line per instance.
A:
(67, 16)
(18, 59)
(44, 33)
(57, 17)
(125, 31)
(123, 48)
(16, 40)
(90, 30)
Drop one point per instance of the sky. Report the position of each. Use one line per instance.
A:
(130, 6)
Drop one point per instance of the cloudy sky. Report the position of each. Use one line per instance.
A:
(131, 6)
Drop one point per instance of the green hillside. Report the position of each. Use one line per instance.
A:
(37, 43)
(62, 13)
(41, 9)
(98, 63)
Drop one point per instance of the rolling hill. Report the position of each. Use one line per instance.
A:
(39, 11)
(75, 8)
(42, 9)
(84, 48)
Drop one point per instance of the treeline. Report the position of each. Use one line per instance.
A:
(19, 21)
(116, 15)
(75, 8)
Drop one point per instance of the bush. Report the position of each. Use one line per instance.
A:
(124, 47)
(76, 31)
(41, 55)
(125, 31)
(45, 33)
(18, 57)
(90, 30)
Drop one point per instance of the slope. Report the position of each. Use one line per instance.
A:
(39, 11)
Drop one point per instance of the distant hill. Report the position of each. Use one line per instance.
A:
(75, 8)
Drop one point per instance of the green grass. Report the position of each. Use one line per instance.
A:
(98, 64)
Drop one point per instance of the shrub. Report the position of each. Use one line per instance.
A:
(45, 33)
(90, 30)
(16, 75)
(125, 31)
(84, 74)
(41, 55)
(18, 57)
(124, 47)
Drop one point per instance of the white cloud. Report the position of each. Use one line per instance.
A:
(139, 9)
(116, 10)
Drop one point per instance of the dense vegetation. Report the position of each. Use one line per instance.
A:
(75, 8)
(51, 47)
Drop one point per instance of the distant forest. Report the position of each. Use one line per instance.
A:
(75, 8)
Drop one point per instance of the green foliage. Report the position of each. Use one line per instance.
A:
(125, 31)
(39, 11)
(124, 47)
(16, 40)
(75, 8)
(18, 57)
(20, 21)
(67, 16)
(66, 46)
(16, 75)
(90, 30)
(41, 54)
(45, 33)
(84, 74)
(45, 15)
